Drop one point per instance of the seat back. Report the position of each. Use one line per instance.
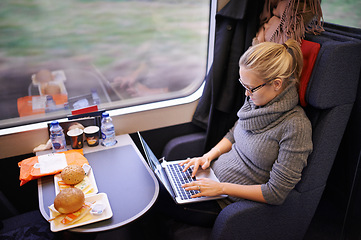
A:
(331, 93)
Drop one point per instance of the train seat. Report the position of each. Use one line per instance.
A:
(329, 97)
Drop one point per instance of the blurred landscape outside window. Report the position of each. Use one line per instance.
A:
(57, 56)
(342, 12)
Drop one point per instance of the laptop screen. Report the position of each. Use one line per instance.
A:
(156, 166)
(151, 158)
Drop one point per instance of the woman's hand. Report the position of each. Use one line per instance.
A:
(203, 161)
(206, 186)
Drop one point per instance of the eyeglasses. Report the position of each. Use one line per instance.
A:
(252, 90)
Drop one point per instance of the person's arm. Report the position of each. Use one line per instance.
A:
(129, 80)
(250, 192)
(222, 147)
(208, 187)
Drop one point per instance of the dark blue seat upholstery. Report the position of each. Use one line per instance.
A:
(30, 225)
(330, 95)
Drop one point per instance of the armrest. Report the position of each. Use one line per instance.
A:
(191, 145)
(246, 220)
(252, 220)
(234, 221)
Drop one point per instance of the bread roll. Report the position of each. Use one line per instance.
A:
(43, 76)
(69, 200)
(72, 174)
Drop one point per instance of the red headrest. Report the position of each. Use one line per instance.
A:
(310, 51)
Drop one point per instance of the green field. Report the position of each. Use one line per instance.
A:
(342, 12)
(106, 34)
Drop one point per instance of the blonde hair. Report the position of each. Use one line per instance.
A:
(271, 60)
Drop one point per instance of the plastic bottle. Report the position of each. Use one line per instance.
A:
(95, 96)
(57, 137)
(107, 128)
(50, 104)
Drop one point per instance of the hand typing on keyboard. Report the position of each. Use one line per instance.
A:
(203, 161)
(205, 186)
(179, 178)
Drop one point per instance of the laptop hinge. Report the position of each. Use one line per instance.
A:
(161, 159)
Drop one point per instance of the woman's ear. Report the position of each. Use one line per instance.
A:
(278, 84)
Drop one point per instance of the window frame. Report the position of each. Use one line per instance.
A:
(173, 111)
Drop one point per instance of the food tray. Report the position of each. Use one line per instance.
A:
(58, 83)
(56, 225)
(90, 177)
(59, 76)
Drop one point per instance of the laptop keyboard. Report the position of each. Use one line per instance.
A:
(181, 178)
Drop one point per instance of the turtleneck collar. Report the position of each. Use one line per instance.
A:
(262, 118)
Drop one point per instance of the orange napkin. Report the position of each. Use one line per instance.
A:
(25, 107)
(29, 172)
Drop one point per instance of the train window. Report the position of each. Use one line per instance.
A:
(59, 56)
(346, 13)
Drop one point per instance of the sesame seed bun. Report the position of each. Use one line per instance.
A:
(72, 174)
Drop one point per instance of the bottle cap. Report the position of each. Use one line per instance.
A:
(105, 114)
(53, 123)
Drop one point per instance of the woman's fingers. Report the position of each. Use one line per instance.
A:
(205, 186)
(188, 164)
(185, 162)
(196, 162)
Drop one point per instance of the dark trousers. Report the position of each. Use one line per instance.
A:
(166, 217)
(198, 214)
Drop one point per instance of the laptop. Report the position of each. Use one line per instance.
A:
(170, 174)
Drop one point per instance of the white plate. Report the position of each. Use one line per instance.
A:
(56, 225)
(90, 177)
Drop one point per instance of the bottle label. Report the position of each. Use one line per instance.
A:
(104, 136)
(57, 145)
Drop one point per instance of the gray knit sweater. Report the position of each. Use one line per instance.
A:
(270, 147)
